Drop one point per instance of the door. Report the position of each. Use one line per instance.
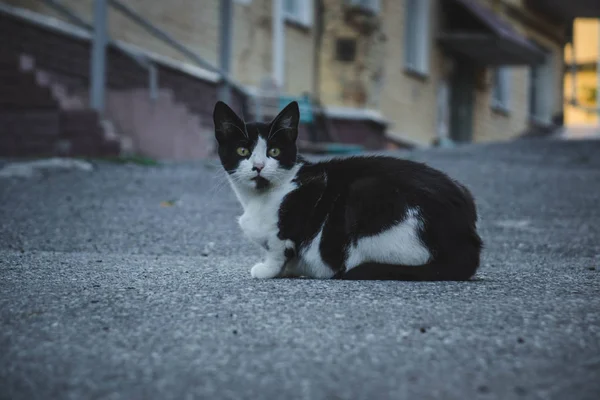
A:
(443, 112)
(462, 94)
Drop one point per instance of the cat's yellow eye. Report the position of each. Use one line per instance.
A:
(242, 151)
(274, 152)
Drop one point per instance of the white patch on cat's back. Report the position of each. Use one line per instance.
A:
(310, 262)
(398, 245)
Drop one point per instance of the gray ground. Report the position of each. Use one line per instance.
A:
(104, 293)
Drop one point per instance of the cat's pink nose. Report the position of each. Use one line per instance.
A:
(258, 167)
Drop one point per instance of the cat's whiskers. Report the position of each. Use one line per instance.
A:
(220, 183)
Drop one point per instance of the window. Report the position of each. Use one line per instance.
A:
(541, 91)
(345, 49)
(298, 11)
(416, 36)
(368, 5)
(501, 89)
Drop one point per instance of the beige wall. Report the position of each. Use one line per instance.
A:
(195, 23)
(349, 84)
(376, 79)
(409, 101)
(586, 51)
(586, 39)
(490, 125)
(299, 59)
(556, 50)
(578, 116)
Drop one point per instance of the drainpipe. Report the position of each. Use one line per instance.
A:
(225, 41)
(318, 29)
(98, 60)
(278, 44)
(573, 68)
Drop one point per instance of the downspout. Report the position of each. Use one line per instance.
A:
(225, 40)
(319, 30)
(573, 69)
(318, 112)
(98, 57)
(278, 56)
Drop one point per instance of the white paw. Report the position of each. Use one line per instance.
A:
(264, 271)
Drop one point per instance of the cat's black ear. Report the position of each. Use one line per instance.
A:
(286, 122)
(227, 124)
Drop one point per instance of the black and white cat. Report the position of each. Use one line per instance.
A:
(355, 218)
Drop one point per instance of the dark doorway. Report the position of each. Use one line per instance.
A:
(462, 94)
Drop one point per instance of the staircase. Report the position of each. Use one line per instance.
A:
(44, 114)
(579, 132)
(44, 99)
(159, 128)
(38, 118)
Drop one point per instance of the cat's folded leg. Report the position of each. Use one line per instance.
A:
(290, 270)
(274, 264)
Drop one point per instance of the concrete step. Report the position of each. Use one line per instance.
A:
(580, 132)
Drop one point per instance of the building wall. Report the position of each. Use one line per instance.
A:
(409, 101)
(558, 64)
(585, 80)
(376, 79)
(492, 125)
(196, 25)
(585, 42)
(349, 83)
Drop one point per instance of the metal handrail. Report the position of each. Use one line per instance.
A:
(168, 39)
(76, 19)
(139, 58)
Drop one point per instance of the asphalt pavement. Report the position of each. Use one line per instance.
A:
(133, 282)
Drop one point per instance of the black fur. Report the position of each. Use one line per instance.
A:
(231, 132)
(362, 196)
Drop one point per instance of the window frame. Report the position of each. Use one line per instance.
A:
(417, 44)
(545, 90)
(373, 6)
(303, 17)
(501, 89)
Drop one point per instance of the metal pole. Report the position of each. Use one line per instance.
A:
(98, 59)
(77, 20)
(573, 74)
(153, 82)
(161, 35)
(278, 44)
(225, 39)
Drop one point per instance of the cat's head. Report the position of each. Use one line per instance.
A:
(257, 155)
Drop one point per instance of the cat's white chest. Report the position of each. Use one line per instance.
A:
(259, 220)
